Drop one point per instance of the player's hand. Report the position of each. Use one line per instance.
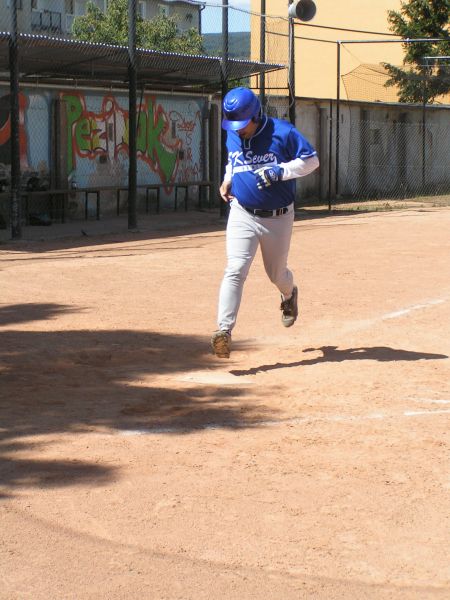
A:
(265, 176)
(225, 191)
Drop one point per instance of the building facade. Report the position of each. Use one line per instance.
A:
(55, 17)
(352, 36)
(316, 46)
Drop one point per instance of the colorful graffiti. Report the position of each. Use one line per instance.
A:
(189, 169)
(5, 130)
(165, 141)
(90, 142)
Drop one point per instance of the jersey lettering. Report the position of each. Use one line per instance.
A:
(241, 162)
(236, 158)
(268, 157)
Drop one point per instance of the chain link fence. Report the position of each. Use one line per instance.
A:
(73, 114)
(74, 134)
(396, 147)
(401, 155)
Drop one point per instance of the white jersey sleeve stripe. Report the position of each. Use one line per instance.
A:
(299, 167)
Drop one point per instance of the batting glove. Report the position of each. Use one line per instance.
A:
(265, 176)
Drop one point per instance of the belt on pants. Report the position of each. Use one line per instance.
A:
(259, 212)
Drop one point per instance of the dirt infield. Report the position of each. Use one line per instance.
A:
(314, 464)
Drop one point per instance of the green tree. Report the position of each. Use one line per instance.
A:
(421, 80)
(111, 27)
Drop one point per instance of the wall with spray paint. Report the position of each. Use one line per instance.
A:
(96, 132)
(80, 138)
(34, 136)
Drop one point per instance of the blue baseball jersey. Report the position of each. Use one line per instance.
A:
(275, 142)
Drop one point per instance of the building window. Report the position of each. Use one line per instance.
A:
(163, 10)
(100, 4)
(141, 10)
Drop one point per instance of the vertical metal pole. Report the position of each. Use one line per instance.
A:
(330, 153)
(132, 116)
(424, 151)
(201, 8)
(224, 64)
(15, 207)
(262, 55)
(224, 74)
(338, 114)
(424, 108)
(291, 69)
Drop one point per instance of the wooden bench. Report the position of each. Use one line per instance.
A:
(55, 207)
(96, 191)
(151, 187)
(186, 185)
(64, 192)
(28, 195)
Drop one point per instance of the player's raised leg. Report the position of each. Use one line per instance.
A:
(275, 244)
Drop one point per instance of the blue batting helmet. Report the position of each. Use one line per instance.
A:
(240, 106)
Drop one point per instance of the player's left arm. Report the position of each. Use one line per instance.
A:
(299, 167)
(304, 162)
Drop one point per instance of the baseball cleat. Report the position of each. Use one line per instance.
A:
(221, 343)
(289, 309)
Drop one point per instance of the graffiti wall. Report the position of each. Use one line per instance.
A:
(169, 136)
(81, 138)
(34, 135)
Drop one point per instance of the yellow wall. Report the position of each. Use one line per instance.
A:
(316, 62)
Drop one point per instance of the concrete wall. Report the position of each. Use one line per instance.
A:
(396, 150)
(385, 150)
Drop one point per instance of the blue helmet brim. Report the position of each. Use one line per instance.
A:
(234, 125)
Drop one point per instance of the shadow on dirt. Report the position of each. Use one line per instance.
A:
(83, 234)
(24, 313)
(168, 224)
(333, 354)
(79, 381)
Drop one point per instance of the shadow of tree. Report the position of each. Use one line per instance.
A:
(43, 473)
(74, 381)
(24, 313)
(333, 354)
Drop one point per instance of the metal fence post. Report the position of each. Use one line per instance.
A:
(15, 207)
(132, 116)
(424, 124)
(291, 69)
(224, 75)
(338, 114)
(262, 55)
(330, 152)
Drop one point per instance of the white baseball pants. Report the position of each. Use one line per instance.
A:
(245, 232)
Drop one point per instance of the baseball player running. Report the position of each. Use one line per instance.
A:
(265, 155)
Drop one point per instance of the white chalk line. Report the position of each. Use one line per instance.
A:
(432, 401)
(287, 421)
(367, 323)
(408, 309)
(415, 413)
